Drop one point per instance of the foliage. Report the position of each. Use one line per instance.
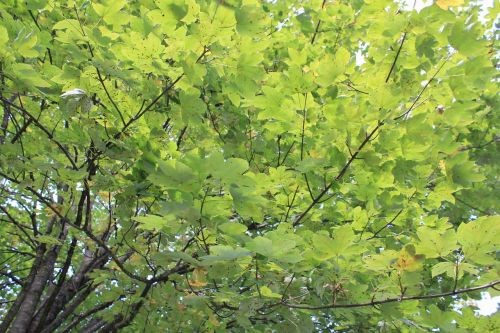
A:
(247, 166)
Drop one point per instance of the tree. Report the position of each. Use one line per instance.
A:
(247, 166)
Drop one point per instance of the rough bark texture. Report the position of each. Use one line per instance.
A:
(27, 309)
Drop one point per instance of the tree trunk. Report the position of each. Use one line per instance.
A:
(27, 309)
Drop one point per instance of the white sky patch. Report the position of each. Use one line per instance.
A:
(487, 305)
(420, 4)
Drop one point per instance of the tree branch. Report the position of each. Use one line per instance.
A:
(317, 25)
(46, 131)
(391, 300)
(339, 176)
(422, 91)
(386, 225)
(396, 58)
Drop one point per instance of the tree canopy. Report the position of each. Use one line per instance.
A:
(243, 165)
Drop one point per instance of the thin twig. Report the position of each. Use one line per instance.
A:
(396, 58)
(291, 203)
(317, 25)
(422, 91)
(386, 225)
(45, 130)
(339, 176)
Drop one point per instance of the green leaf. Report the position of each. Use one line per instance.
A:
(261, 245)
(230, 171)
(479, 238)
(224, 253)
(247, 203)
(154, 222)
(444, 267)
(4, 36)
(277, 248)
(425, 45)
(193, 10)
(466, 40)
(192, 107)
(110, 11)
(46, 239)
(232, 228)
(163, 146)
(25, 44)
(267, 292)
(434, 244)
(340, 245)
(36, 4)
(168, 257)
(330, 67)
(26, 74)
(175, 175)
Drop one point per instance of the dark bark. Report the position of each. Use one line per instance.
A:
(10, 315)
(70, 290)
(93, 326)
(27, 309)
(64, 291)
(87, 314)
(68, 310)
(4, 124)
(41, 316)
(44, 270)
(6, 111)
(51, 297)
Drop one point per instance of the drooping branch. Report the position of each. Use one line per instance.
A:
(391, 300)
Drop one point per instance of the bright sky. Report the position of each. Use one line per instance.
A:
(424, 3)
(488, 305)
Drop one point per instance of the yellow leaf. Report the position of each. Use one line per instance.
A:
(442, 166)
(199, 277)
(51, 211)
(408, 261)
(444, 4)
(180, 307)
(106, 195)
(197, 283)
(135, 258)
(315, 153)
(115, 267)
(213, 321)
